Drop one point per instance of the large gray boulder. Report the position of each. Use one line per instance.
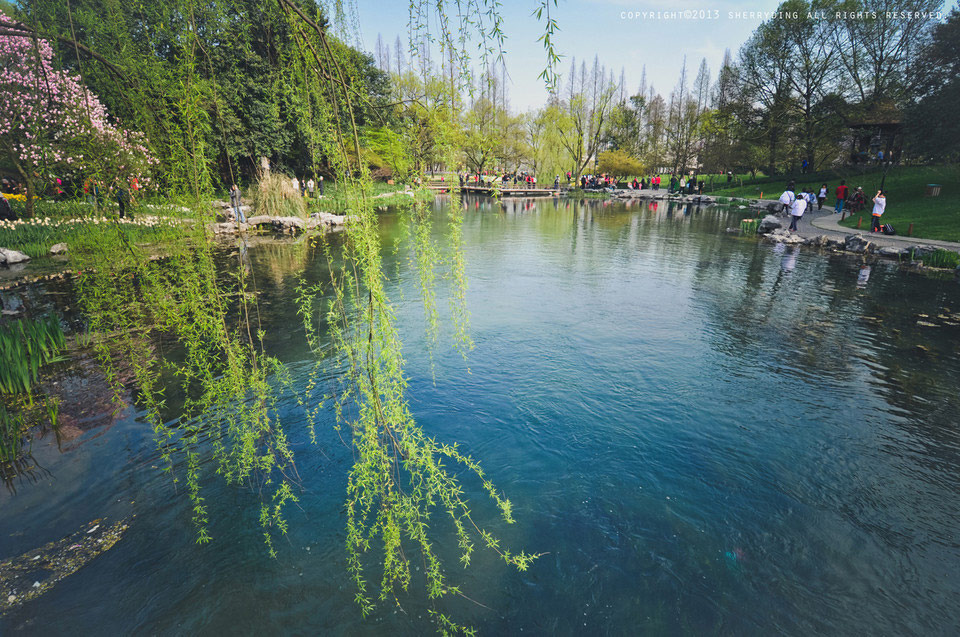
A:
(773, 207)
(857, 244)
(836, 244)
(784, 236)
(283, 224)
(329, 219)
(819, 241)
(223, 228)
(58, 248)
(920, 251)
(9, 257)
(890, 252)
(768, 224)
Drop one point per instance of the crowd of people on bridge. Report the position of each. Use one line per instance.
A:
(518, 179)
(677, 184)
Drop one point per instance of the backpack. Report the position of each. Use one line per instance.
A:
(887, 229)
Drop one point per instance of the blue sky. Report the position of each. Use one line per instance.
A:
(597, 27)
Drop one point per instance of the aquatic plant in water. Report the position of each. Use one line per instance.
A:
(11, 438)
(25, 346)
(941, 258)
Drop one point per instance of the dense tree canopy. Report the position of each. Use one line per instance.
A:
(933, 125)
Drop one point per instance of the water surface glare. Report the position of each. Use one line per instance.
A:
(704, 435)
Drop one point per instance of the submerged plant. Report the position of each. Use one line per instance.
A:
(25, 346)
(11, 437)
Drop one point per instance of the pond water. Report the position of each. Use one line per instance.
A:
(702, 434)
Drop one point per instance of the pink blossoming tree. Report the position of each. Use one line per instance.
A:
(52, 126)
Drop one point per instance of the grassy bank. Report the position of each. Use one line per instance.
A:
(65, 221)
(335, 197)
(932, 217)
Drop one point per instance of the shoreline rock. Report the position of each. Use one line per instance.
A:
(768, 224)
(852, 244)
(11, 257)
(289, 225)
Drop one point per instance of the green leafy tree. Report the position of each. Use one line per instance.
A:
(933, 128)
(620, 164)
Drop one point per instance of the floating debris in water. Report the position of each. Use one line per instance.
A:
(734, 560)
(34, 573)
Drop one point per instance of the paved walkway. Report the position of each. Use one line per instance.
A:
(827, 222)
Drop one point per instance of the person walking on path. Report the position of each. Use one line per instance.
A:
(122, 195)
(235, 203)
(841, 195)
(879, 206)
(310, 186)
(797, 207)
(787, 198)
(295, 183)
(821, 197)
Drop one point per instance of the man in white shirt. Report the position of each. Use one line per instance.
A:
(295, 183)
(797, 208)
(879, 206)
(310, 186)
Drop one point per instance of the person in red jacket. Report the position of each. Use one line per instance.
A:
(841, 195)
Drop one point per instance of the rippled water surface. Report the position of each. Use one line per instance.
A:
(704, 435)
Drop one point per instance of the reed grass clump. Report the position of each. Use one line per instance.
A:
(941, 258)
(749, 226)
(275, 196)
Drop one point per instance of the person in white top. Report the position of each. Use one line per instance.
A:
(787, 198)
(879, 205)
(295, 183)
(797, 208)
(821, 197)
(310, 186)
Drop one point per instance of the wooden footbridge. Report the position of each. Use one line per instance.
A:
(508, 192)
